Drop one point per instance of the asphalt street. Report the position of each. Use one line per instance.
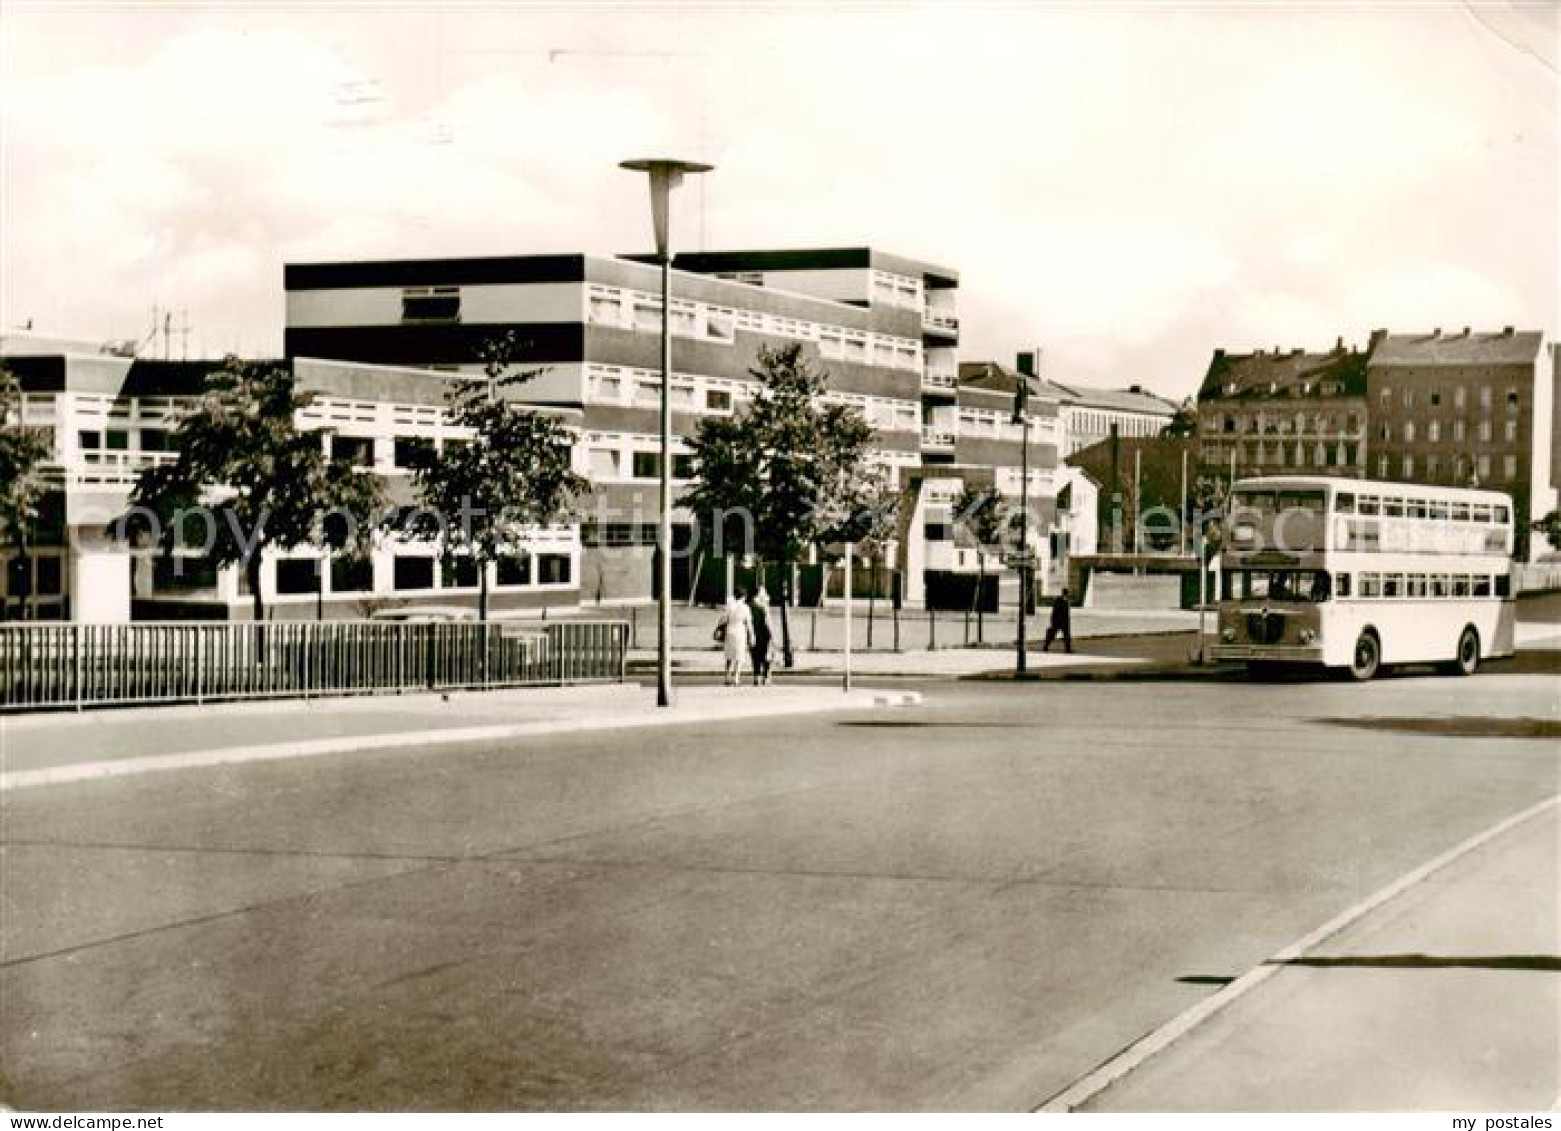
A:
(969, 904)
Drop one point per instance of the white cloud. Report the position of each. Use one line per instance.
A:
(1129, 189)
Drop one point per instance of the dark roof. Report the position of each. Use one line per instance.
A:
(1505, 347)
(1264, 374)
(991, 377)
(809, 259)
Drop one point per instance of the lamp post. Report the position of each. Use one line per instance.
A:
(1022, 418)
(665, 175)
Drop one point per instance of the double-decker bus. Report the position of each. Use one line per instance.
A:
(1357, 574)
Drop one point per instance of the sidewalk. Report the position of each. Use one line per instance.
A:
(61, 747)
(1442, 994)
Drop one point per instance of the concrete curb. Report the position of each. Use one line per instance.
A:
(1161, 1038)
(748, 707)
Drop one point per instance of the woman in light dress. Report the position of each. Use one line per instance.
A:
(737, 638)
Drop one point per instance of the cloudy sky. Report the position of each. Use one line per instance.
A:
(1126, 186)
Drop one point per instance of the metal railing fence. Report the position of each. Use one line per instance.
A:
(46, 666)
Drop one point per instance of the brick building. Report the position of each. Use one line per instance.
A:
(1465, 409)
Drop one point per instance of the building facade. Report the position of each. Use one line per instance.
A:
(1465, 409)
(1087, 415)
(1266, 413)
(111, 416)
(883, 327)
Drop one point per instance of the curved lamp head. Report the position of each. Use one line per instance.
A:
(666, 173)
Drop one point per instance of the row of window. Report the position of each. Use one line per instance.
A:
(1318, 455)
(1437, 397)
(1391, 585)
(349, 573)
(1350, 502)
(1325, 423)
(1319, 585)
(1459, 467)
(1433, 431)
(640, 311)
(641, 388)
(1091, 422)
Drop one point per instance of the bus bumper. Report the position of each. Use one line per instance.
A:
(1272, 653)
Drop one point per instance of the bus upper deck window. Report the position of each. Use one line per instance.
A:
(1438, 510)
(1393, 508)
(1369, 504)
(1501, 512)
(1480, 512)
(1341, 584)
(1416, 508)
(1460, 512)
(1344, 502)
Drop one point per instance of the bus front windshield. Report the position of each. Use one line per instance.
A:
(1312, 585)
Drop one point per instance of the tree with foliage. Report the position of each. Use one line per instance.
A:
(986, 518)
(788, 472)
(513, 473)
(1550, 527)
(255, 480)
(24, 479)
(1184, 422)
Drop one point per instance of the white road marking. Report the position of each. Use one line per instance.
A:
(1147, 1046)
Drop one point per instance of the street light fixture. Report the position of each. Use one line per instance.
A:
(665, 175)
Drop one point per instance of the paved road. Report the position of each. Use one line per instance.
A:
(966, 905)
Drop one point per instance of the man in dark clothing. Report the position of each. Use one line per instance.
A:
(1062, 622)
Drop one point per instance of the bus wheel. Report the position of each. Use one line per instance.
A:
(1367, 659)
(1467, 661)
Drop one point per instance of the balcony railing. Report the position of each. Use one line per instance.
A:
(943, 379)
(940, 320)
(937, 438)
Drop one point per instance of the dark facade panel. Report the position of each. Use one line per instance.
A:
(434, 272)
(39, 374)
(537, 342)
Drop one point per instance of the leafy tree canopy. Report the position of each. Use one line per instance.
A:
(791, 464)
(24, 451)
(512, 473)
(246, 479)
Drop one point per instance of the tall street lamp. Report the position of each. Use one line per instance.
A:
(665, 175)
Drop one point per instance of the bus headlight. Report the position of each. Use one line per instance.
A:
(1228, 636)
(1307, 636)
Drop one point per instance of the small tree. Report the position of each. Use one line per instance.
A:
(787, 468)
(256, 480)
(1550, 527)
(514, 473)
(23, 479)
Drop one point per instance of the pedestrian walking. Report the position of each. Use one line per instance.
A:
(1061, 623)
(735, 632)
(763, 636)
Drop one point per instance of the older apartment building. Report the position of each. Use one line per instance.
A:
(1269, 412)
(1466, 409)
(1460, 409)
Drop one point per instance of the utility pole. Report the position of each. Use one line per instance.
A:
(1022, 418)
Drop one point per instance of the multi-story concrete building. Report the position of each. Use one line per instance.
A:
(111, 416)
(1087, 415)
(1264, 413)
(974, 441)
(1464, 409)
(885, 329)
